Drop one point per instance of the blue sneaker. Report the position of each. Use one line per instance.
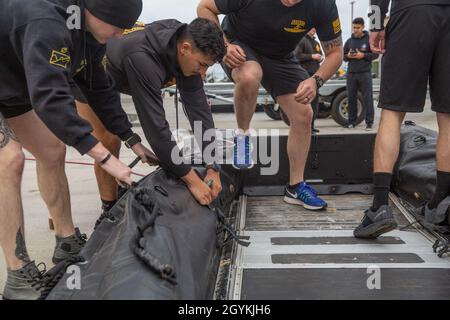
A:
(304, 196)
(242, 152)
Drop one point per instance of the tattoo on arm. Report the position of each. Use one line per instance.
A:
(328, 45)
(21, 249)
(5, 132)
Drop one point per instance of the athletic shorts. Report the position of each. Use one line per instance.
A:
(12, 108)
(280, 76)
(417, 54)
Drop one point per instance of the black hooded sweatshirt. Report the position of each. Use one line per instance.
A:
(363, 45)
(40, 55)
(144, 62)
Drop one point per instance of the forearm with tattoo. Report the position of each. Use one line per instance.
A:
(329, 45)
(334, 55)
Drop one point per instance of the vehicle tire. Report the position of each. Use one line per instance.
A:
(324, 112)
(272, 111)
(284, 117)
(339, 109)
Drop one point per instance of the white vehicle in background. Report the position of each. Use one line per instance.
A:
(333, 100)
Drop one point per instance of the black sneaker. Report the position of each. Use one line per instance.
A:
(25, 283)
(437, 219)
(69, 246)
(315, 130)
(369, 127)
(105, 215)
(376, 223)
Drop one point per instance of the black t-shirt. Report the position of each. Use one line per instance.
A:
(274, 30)
(398, 5)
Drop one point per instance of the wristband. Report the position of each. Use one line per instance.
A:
(106, 159)
(131, 141)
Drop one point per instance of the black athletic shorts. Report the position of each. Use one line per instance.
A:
(417, 52)
(12, 108)
(280, 76)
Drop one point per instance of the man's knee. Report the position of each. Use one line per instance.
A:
(53, 154)
(12, 161)
(248, 77)
(302, 117)
(391, 117)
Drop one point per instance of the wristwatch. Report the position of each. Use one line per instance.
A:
(131, 141)
(319, 81)
(214, 166)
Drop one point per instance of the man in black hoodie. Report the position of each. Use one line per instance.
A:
(43, 46)
(359, 74)
(156, 56)
(416, 48)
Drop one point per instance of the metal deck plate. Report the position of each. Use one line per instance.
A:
(343, 212)
(344, 284)
(298, 254)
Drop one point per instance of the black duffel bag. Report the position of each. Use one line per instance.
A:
(157, 243)
(414, 176)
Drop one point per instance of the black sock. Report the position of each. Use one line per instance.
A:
(295, 186)
(442, 189)
(381, 187)
(107, 205)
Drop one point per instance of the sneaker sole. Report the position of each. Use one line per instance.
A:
(428, 225)
(56, 261)
(376, 229)
(243, 168)
(301, 203)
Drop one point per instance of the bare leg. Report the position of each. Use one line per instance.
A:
(443, 144)
(12, 161)
(247, 79)
(387, 144)
(50, 156)
(299, 140)
(107, 185)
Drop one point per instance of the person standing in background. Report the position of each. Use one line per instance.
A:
(359, 74)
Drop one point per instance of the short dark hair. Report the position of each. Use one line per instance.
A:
(207, 38)
(359, 21)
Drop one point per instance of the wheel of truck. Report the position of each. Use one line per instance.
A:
(324, 112)
(272, 111)
(339, 109)
(284, 117)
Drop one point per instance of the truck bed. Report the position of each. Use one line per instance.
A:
(299, 254)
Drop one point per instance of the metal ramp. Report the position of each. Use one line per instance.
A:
(298, 254)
